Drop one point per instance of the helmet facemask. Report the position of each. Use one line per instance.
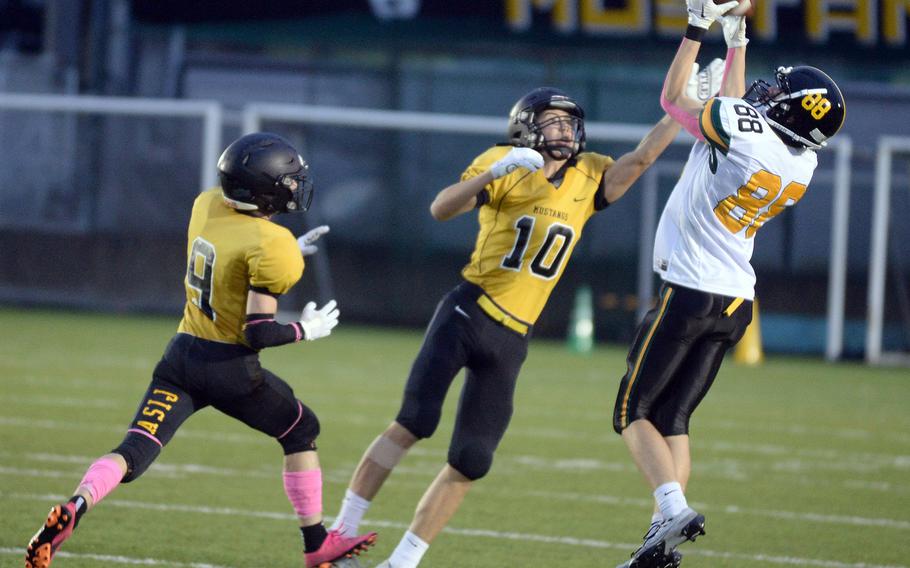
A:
(526, 129)
(300, 187)
(567, 142)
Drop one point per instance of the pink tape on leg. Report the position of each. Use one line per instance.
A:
(101, 478)
(304, 490)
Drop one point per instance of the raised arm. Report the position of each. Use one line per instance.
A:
(622, 174)
(734, 83)
(461, 197)
(673, 98)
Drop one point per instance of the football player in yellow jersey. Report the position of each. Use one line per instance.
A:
(534, 196)
(238, 264)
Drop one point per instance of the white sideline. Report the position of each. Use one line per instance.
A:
(485, 533)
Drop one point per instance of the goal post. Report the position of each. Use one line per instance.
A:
(888, 148)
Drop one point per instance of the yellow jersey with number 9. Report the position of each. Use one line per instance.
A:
(529, 228)
(228, 253)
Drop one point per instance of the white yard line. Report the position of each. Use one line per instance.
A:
(109, 559)
(792, 460)
(341, 475)
(485, 533)
(849, 520)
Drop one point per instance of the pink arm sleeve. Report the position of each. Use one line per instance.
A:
(689, 122)
(727, 63)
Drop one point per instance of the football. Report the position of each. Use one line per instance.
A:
(745, 8)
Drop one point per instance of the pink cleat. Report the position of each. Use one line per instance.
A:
(57, 528)
(336, 547)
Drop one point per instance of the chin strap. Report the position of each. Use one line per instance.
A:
(557, 152)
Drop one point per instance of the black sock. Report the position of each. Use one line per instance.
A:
(313, 536)
(81, 507)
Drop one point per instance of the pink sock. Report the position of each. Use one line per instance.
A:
(101, 478)
(304, 490)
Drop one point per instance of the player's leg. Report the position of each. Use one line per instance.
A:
(161, 411)
(441, 357)
(375, 466)
(242, 389)
(662, 344)
(672, 411)
(483, 416)
(660, 348)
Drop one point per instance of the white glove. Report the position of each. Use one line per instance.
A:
(517, 158)
(318, 323)
(702, 13)
(706, 83)
(735, 30)
(305, 241)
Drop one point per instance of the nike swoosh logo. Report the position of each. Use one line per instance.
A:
(580, 198)
(462, 312)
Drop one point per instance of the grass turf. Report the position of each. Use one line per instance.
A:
(796, 462)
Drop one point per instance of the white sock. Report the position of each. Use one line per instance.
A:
(408, 552)
(670, 499)
(353, 508)
(657, 518)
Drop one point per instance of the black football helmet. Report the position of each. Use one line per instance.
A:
(263, 172)
(805, 108)
(524, 129)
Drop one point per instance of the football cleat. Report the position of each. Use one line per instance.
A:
(659, 547)
(57, 528)
(338, 547)
(672, 560)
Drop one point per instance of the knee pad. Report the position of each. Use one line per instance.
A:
(302, 435)
(419, 419)
(472, 460)
(139, 453)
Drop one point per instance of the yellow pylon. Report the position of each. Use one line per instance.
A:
(749, 350)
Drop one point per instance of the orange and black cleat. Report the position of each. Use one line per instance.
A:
(57, 528)
(337, 547)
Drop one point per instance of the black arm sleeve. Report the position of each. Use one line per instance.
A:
(261, 331)
(265, 291)
(600, 200)
(482, 198)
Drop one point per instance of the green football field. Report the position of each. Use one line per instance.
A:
(796, 462)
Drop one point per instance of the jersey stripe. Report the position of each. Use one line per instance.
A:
(712, 127)
(646, 344)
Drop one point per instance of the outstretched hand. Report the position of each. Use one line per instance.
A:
(705, 83)
(734, 31)
(517, 158)
(319, 323)
(305, 241)
(702, 13)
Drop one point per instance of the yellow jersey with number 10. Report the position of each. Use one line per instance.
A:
(228, 253)
(529, 228)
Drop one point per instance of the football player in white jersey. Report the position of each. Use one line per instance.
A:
(754, 157)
